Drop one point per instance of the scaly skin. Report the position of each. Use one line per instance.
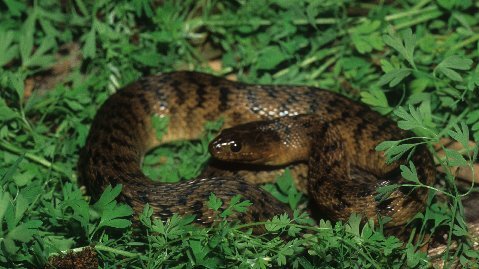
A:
(122, 133)
(340, 180)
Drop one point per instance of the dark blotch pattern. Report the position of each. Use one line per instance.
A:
(343, 133)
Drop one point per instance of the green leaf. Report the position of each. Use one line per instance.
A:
(39, 58)
(113, 217)
(10, 246)
(392, 243)
(198, 250)
(353, 224)
(89, 48)
(459, 230)
(366, 27)
(8, 176)
(22, 179)
(145, 216)
(25, 231)
(4, 203)
(107, 197)
(394, 77)
(410, 173)
(160, 124)
(410, 120)
(454, 158)
(404, 44)
(376, 98)
(6, 113)
(214, 202)
(143, 6)
(74, 200)
(17, 82)
(411, 257)
(453, 75)
(270, 57)
(21, 205)
(386, 66)
(447, 4)
(285, 183)
(277, 223)
(471, 252)
(8, 51)
(418, 85)
(453, 62)
(15, 7)
(148, 58)
(396, 152)
(365, 37)
(284, 189)
(472, 117)
(117, 223)
(112, 214)
(385, 191)
(26, 37)
(460, 134)
(385, 145)
(236, 206)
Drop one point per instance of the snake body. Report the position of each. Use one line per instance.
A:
(344, 168)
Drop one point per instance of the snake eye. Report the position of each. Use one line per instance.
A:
(235, 147)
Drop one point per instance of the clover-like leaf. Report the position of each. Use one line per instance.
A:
(452, 63)
(404, 43)
(410, 173)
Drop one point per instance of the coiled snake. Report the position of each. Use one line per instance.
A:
(334, 134)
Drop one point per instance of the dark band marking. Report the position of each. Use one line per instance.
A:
(179, 90)
(378, 134)
(144, 104)
(120, 127)
(271, 91)
(224, 94)
(143, 196)
(338, 207)
(197, 207)
(183, 200)
(117, 141)
(117, 134)
(365, 189)
(126, 159)
(200, 95)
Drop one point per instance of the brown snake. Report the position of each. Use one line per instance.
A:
(337, 138)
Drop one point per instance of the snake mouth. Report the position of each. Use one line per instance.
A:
(233, 151)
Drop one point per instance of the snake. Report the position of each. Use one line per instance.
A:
(273, 125)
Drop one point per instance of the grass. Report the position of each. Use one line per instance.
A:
(415, 61)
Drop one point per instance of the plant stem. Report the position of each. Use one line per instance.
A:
(466, 42)
(425, 17)
(248, 225)
(32, 157)
(367, 257)
(198, 23)
(409, 13)
(324, 66)
(116, 251)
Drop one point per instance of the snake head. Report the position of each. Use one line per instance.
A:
(248, 143)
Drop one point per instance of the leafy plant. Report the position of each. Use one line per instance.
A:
(415, 61)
